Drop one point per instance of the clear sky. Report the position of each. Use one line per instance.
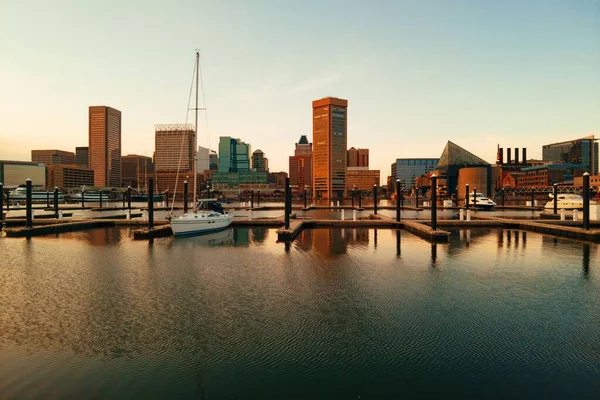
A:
(415, 73)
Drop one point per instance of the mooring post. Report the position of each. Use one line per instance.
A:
(555, 200)
(352, 195)
(129, 198)
(375, 199)
(28, 210)
(82, 199)
(474, 197)
(417, 198)
(467, 196)
(502, 197)
(100, 198)
(7, 201)
(258, 198)
(185, 197)
(55, 202)
(305, 193)
(359, 198)
(167, 197)
(398, 210)
(586, 201)
(150, 203)
(47, 198)
(434, 202)
(288, 203)
(252, 198)
(1, 203)
(532, 200)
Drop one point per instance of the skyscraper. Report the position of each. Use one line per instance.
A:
(234, 155)
(259, 162)
(105, 145)
(174, 147)
(330, 123)
(301, 165)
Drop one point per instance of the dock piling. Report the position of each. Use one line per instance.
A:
(185, 197)
(416, 197)
(375, 199)
(532, 200)
(352, 195)
(359, 198)
(502, 196)
(150, 203)
(55, 202)
(129, 199)
(258, 198)
(28, 210)
(434, 202)
(100, 198)
(167, 198)
(288, 203)
(586, 201)
(1, 203)
(252, 198)
(467, 196)
(474, 197)
(47, 198)
(555, 194)
(83, 199)
(398, 194)
(7, 201)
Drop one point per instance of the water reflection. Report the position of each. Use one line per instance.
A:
(586, 260)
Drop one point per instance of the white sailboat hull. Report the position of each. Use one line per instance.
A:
(200, 222)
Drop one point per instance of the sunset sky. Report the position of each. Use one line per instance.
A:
(416, 73)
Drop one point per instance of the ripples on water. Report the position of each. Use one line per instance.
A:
(339, 313)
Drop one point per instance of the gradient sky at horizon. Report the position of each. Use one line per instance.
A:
(416, 73)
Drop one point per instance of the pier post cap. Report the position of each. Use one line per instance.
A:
(28, 180)
(555, 184)
(375, 185)
(586, 174)
(184, 181)
(55, 187)
(128, 187)
(435, 176)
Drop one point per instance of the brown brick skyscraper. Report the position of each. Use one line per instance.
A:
(105, 145)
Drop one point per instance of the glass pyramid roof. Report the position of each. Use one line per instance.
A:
(455, 155)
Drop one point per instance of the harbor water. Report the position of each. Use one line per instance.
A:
(338, 313)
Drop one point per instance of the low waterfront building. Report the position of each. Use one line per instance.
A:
(228, 180)
(453, 159)
(361, 177)
(409, 169)
(69, 176)
(546, 175)
(15, 173)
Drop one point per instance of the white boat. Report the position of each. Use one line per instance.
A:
(213, 217)
(567, 202)
(481, 202)
(202, 221)
(37, 196)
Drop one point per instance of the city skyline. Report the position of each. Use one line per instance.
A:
(416, 75)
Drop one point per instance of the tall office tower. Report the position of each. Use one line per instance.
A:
(174, 147)
(50, 157)
(363, 158)
(301, 165)
(81, 156)
(352, 157)
(234, 155)
(330, 124)
(582, 151)
(105, 145)
(259, 161)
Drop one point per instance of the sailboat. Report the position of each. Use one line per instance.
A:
(208, 214)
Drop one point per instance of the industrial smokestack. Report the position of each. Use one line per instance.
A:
(508, 155)
(501, 152)
(516, 155)
(524, 155)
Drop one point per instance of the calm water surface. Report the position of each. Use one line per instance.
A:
(339, 313)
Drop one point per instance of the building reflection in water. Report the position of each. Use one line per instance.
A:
(375, 238)
(433, 254)
(398, 243)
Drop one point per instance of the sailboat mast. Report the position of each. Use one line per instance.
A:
(196, 127)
